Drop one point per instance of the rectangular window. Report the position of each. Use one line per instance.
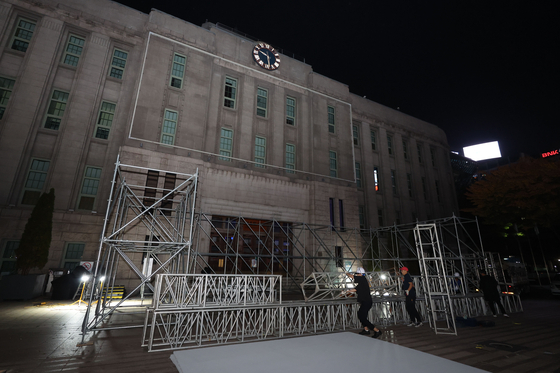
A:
(168, 186)
(409, 184)
(419, 150)
(380, 217)
(376, 179)
(6, 87)
(339, 258)
(358, 175)
(437, 192)
(394, 182)
(262, 102)
(333, 164)
(331, 212)
(405, 149)
(169, 127)
(226, 144)
(118, 63)
(105, 120)
(73, 255)
(356, 135)
(260, 151)
(433, 156)
(150, 191)
(330, 114)
(73, 50)
(373, 138)
(22, 35)
(390, 144)
(8, 258)
(177, 71)
(230, 92)
(290, 158)
(35, 181)
(341, 214)
(90, 184)
(291, 111)
(362, 216)
(424, 190)
(56, 110)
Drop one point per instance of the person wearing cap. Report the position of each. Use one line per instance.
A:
(364, 298)
(410, 300)
(457, 283)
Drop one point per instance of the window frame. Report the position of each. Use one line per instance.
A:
(226, 154)
(40, 190)
(112, 66)
(12, 259)
(331, 118)
(355, 135)
(166, 121)
(77, 261)
(409, 184)
(5, 94)
(100, 117)
(358, 168)
(52, 115)
(232, 98)
(390, 144)
(405, 149)
(72, 54)
(290, 166)
(174, 76)
(260, 151)
(83, 185)
(333, 171)
(18, 38)
(262, 102)
(292, 116)
(373, 139)
(394, 182)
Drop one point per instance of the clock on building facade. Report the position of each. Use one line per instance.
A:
(266, 56)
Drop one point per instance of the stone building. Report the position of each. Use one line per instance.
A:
(85, 81)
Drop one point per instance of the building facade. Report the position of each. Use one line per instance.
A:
(83, 82)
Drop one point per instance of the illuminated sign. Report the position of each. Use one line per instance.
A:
(551, 153)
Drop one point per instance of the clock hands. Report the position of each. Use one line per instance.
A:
(267, 56)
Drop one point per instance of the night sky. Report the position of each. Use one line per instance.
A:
(480, 70)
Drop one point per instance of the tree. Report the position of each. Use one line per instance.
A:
(33, 250)
(525, 194)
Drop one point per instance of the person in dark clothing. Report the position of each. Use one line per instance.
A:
(489, 286)
(363, 292)
(410, 300)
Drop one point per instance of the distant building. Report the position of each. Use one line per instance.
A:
(83, 81)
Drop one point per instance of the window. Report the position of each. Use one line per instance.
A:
(6, 87)
(118, 63)
(73, 51)
(433, 156)
(376, 179)
(168, 186)
(290, 158)
(437, 192)
(260, 151)
(230, 92)
(333, 164)
(358, 175)
(8, 258)
(177, 71)
(362, 216)
(356, 135)
(291, 111)
(330, 114)
(405, 149)
(341, 214)
(35, 181)
(152, 178)
(331, 212)
(262, 102)
(390, 144)
(424, 190)
(169, 127)
(73, 255)
(105, 120)
(394, 182)
(56, 110)
(373, 138)
(90, 184)
(226, 144)
(380, 217)
(339, 258)
(23, 34)
(419, 150)
(409, 184)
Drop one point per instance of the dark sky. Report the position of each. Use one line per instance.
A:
(480, 70)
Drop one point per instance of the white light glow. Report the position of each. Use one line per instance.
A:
(480, 152)
(85, 278)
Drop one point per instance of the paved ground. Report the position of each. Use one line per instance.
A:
(37, 337)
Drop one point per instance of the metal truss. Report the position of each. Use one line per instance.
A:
(143, 217)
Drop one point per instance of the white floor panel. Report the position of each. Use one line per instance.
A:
(337, 352)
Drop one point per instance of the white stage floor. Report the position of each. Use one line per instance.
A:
(337, 352)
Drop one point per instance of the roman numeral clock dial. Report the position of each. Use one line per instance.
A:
(266, 56)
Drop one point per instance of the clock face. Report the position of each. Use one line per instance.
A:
(266, 56)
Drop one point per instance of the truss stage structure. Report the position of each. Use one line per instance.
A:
(192, 271)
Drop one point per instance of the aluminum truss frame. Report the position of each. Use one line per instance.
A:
(154, 221)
